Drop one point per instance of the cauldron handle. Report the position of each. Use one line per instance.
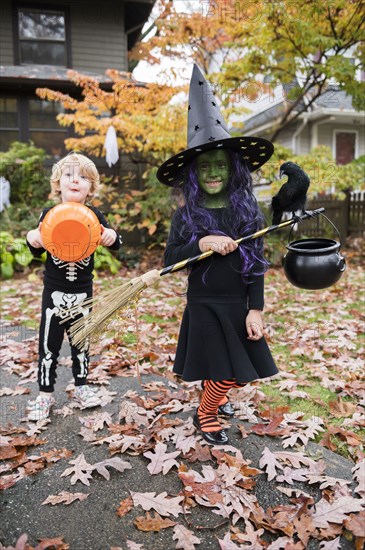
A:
(342, 264)
(329, 221)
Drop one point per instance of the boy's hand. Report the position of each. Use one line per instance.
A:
(218, 243)
(254, 325)
(108, 236)
(34, 237)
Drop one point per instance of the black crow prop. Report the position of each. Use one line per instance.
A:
(292, 196)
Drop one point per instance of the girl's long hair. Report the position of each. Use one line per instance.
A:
(242, 214)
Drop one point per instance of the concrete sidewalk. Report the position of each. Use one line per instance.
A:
(93, 523)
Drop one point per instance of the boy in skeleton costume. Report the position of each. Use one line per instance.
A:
(66, 284)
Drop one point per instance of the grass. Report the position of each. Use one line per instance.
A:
(313, 406)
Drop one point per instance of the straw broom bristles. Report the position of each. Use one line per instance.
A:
(105, 306)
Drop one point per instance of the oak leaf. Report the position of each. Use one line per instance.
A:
(335, 512)
(200, 453)
(64, 497)
(334, 544)
(250, 535)
(227, 543)
(164, 505)
(14, 391)
(125, 506)
(269, 462)
(185, 538)
(114, 462)
(296, 459)
(359, 475)
(356, 524)
(205, 490)
(341, 408)
(81, 470)
(160, 460)
(152, 523)
(271, 429)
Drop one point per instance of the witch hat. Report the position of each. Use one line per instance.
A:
(207, 131)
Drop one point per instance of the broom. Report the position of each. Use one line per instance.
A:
(108, 303)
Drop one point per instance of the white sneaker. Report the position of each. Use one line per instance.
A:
(40, 408)
(87, 397)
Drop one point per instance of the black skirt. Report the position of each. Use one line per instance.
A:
(213, 345)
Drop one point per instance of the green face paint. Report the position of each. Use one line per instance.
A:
(213, 174)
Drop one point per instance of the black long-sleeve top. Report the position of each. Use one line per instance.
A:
(71, 276)
(217, 278)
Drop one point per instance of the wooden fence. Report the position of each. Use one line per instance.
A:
(347, 215)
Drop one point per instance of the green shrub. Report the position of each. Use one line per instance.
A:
(105, 261)
(14, 254)
(23, 165)
(18, 219)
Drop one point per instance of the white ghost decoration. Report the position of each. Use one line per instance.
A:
(111, 146)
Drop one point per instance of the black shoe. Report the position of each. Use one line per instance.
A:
(226, 409)
(215, 438)
(223, 410)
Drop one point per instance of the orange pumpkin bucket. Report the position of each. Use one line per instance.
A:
(70, 231)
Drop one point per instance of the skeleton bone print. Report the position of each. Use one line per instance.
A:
(71, 267)
(62, 302)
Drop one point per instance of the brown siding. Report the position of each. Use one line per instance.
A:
(98, 38)
(6, 34)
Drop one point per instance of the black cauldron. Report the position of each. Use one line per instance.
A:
(314, 263)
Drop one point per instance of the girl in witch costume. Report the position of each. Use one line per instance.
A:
(221, 338)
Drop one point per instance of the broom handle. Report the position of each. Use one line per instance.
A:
(186, 263)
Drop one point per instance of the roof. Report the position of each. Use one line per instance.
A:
(331, 99)
(44, 73)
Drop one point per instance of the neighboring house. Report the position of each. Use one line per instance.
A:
(41, 41)
(331, 120)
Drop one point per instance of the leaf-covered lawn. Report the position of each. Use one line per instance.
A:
(316, 339)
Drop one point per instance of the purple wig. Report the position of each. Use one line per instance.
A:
(242, 212)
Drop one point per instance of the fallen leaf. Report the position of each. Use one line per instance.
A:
(269, 462)
(65, 498)
(335, 512)
(200, 453)
(152, 523)
(114, 462)
(358, 472)
(341, 408)
(125, 506)
(160, 460)
(164, 505)
(185, 538)
(81, 470)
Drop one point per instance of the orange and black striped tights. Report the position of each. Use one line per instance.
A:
(214, 394)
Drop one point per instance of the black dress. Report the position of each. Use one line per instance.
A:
(213, 342)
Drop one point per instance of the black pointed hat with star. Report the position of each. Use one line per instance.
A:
(207, 131)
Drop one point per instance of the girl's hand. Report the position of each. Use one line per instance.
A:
(34, 237)
(254, 325)
(218, 243)
(108, 236)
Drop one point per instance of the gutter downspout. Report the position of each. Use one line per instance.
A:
(298, 131)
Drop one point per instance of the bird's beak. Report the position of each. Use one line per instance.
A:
(281, 173)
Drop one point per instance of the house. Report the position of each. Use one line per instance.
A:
(41, 41)
(331, 120)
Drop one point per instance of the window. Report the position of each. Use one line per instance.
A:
(9, 126)
(345, 147)
(37, 122)
(44, 129)
(42, 37)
